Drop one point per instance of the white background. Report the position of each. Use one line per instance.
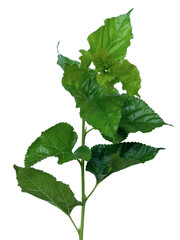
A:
(141, 202)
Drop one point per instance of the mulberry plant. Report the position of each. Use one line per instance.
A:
(114, 114)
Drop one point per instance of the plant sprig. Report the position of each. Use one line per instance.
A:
(115, 115)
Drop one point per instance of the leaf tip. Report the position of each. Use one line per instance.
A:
(130, 11)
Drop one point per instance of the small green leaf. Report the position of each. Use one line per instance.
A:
(138, 116)
(74, 75)
(56, 141)
(114, 36)
(62, 61)
(128, 75)
(86, 59)
(83, 152)
(44, 186)
(111, 71)
(107, 159)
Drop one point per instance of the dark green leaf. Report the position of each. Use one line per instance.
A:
(107, 159)
(44, 186)
(57, 141)
(138, 116)
(119, 136)
(62, 61)
(83, 152)
(114, 36)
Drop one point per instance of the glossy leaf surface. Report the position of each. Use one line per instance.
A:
(44, 186)
(114, 36)
(138, 116)
(57, 141)
(107, 159)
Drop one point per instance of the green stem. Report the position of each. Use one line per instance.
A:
(82, 185)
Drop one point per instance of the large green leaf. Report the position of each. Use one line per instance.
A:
(114, 36)
(103, 113)
(98, 106)
(57, 141)
(138, 116)
(44, 186)
(107, 159)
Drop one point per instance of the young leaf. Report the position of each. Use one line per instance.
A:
(83, 152)
(111, 71)
(44, 186)
(128, 75)
(57, 141)
(114, 36)
(138, 116)
(107, 159)
(86, 59)
(62, 61)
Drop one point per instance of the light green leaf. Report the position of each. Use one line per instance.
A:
(57, 141)
(86, 59)
(44, 186)
(128, 75)
(83, 152)
(107, 159)
(74, 75)
(62, 61)
(138, 116)
(114, 36)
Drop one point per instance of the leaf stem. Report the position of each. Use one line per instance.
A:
(92, 191)
(88, 131)
(73, 223)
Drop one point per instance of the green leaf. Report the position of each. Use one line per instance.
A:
(86, 59)
(100, 107)
(57, 141)
(119, 136)
(128, 75)
(62, 61)
(44, 186)
(74, 75)
(83, 152)
(114, 36)
(103, 113)
(138, 116)
(107, 159)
